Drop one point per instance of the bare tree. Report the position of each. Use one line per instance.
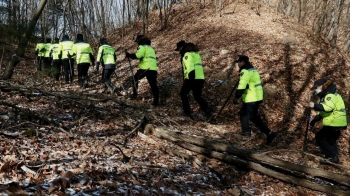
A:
(16, 58)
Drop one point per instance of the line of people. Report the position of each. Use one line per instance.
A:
(331, 106)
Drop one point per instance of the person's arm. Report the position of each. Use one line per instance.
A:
(243, 82)
(327, 105)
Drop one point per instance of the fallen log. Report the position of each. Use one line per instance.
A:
(333, 190)
(219, 146)
(247, 158)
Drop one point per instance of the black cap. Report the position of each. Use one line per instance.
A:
(180, 44)
(80, 36)
(242, 58)
(318, 83)
(57, 40)
(65, 37)
(138, 37)
(103, 41)
(48, 40)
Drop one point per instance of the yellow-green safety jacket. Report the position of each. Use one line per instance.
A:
(82, 50)
(106, 54)
(335, 112)
(39, 48)
(192, 61)
(55, 51)
(148, 57)
(65, 47)
(46, 50)
(251, 82)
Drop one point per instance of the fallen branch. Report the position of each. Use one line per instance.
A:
(33, 114)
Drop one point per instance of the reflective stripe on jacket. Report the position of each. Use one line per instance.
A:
(46, 50)
(192, 61)
(65, 48)
(39, 48)
(55, 51)
(106, 54)
(335, 112)
(147, 57)
(251, 82)
(82, 51)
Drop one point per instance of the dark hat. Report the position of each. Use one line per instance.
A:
(318, 83)
(242, 58)
(179, 45)
(138, 37)
(103, 41)
(65, 37)
(57, 40)
(80, 36)
(48, 40)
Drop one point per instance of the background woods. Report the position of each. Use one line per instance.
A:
(56, 138)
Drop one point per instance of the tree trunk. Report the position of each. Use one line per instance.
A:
(19, 53)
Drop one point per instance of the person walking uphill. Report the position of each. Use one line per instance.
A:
(193, 80)
(84, 56)
(66, 46)
(250, 90)
(39, 51)
(107, 57)
(47, 59)
(332, 112)
(56, 57)
(147, 67)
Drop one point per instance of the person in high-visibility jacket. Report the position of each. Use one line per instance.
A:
(47, 58)
(107, 57)
(84, 56)
(39, 51)
(250, 90)
(332, 112)
(147, 67)
(56, 57)
(193, 80)
(66, 46)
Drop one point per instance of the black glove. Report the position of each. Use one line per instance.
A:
(235, 101)
(315, 120)
(69, 55)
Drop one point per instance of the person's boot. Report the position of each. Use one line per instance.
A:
(113, 88)
(270, 136)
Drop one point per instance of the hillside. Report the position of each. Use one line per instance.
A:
(287, 56)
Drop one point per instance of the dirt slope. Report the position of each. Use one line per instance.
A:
(287, 56)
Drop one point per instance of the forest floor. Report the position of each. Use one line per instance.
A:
(38, 158)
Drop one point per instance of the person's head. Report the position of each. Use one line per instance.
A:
(242, 60)
(65, 37)
(190, 47)
(48, 40)
(80, 37)
(103, 41)
(180, 45)
(138, 37)
(57, 40)
(144, 41)
(323, 86)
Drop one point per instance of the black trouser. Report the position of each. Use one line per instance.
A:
(40, 60)
(250, 111)
(47, 64)
(107, 73)
(68, 66)
(151, 76)
(327, 138)
(56, 64)
(82, 73)
(196, 86)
